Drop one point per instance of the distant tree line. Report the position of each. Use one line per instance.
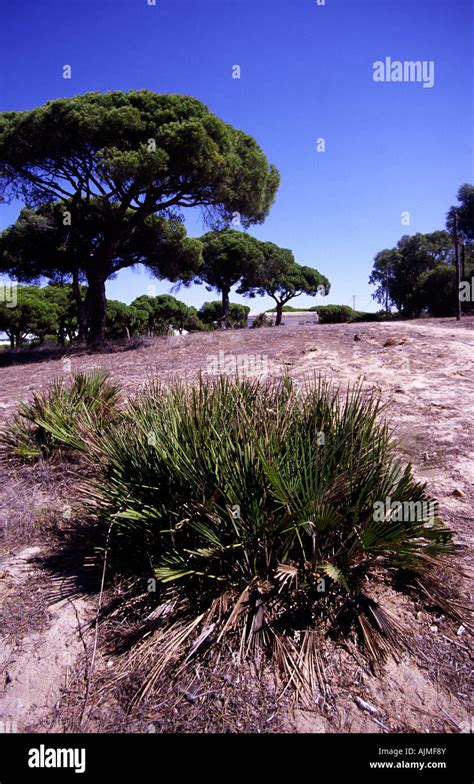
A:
(419, 276)
(49, 313)
(223, 259)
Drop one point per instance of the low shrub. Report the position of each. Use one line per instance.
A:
(52, 421)
(252, 508)
(333, 314)
(262, 320)
(340, 314)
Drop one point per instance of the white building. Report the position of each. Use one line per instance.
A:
(295, 318)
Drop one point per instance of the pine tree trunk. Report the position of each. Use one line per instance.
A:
(225, 308)
(279, 314)
(96, 306)
(81, 310)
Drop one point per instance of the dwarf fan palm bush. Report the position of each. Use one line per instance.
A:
(53, 420)
(253, 507)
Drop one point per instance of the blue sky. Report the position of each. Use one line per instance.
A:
(306, 73)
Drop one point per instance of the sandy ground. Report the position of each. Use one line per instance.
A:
(424, 373)
(37, 664)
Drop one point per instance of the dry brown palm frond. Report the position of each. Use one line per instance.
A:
(286, 574)
(374, 642)
(438, 596)
(309, 666)
(303, 668)
(286, 655)
(238, 608)
(203, 637)
(381, 633)
(219, 608)
(167, 647)
(447, 563)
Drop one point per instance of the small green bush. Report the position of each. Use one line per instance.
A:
(262, 320)
(340, 314)
(53, 420)
(333, 314)
(380, 315)
(288, 309)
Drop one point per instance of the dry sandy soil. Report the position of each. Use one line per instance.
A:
(424, 373)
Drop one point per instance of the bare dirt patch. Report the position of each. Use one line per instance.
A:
(39, 645)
